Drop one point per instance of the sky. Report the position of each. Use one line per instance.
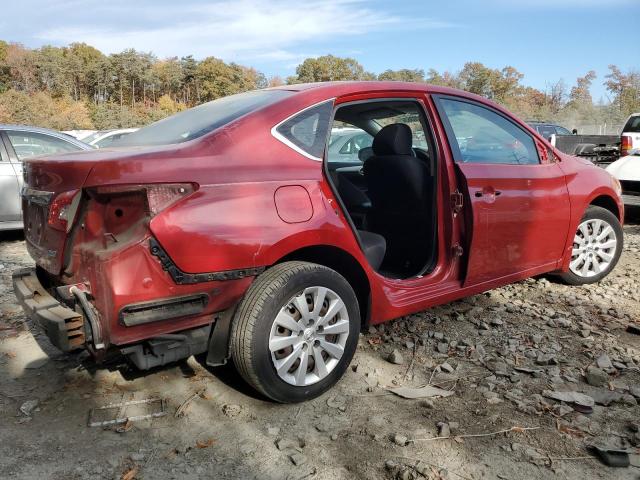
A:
(546, 40)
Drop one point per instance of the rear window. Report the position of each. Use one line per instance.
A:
(633, 125)
(200, 120)
(307, 131)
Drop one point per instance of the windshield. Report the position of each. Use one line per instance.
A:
(202, 119)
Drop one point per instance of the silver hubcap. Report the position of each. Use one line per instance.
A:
(594, 248)
(308, 336)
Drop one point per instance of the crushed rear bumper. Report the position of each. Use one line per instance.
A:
(63, 326)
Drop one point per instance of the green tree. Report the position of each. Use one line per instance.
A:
(403, 75)
(5, 70)
(329, 68)
(446, 79)
(217, 79)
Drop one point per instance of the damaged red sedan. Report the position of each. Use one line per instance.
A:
(269, 227)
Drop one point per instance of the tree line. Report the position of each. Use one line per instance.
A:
(78, 86)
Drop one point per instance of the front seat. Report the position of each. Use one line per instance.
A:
(400, 188)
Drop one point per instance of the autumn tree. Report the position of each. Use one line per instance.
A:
(625, 88)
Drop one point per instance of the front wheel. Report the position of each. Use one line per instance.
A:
(597, 246)
(296, 331)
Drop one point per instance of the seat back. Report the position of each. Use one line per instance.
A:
(400, 188)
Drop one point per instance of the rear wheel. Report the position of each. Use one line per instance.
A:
(597, 246)
(295, 331)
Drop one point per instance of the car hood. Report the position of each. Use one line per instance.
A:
(627, 168)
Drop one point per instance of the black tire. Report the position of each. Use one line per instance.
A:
(256, 314)
(598, 213)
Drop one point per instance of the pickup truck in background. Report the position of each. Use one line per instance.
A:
(630, 135)
(600, 149)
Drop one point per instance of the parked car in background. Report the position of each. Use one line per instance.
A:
(630, 137)
(627, 171)
(79, 134)
(104, 138)
(18, 142)
(346, 144)
(223, 230)
(547, 129)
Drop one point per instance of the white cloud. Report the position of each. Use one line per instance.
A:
(232, 30)
(562, 4)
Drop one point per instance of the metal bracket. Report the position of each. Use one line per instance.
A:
(457, 201)
(218, 351)
(182, 278)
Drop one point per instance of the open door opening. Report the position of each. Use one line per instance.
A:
(381, 163)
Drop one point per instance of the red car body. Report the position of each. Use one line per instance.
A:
(257, 202)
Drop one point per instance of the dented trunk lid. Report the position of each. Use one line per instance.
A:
(44, 181)
(47, 177)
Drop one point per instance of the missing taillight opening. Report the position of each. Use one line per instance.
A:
(159, 196)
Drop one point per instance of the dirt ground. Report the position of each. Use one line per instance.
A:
(502, 353)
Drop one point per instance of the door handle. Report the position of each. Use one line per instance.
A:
(488, 192)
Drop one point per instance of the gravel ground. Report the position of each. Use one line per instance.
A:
(503, 354)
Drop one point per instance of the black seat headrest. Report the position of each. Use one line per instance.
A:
(364, 153)
(394, 139)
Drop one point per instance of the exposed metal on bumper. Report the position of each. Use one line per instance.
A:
(91, 316)
(63, 326)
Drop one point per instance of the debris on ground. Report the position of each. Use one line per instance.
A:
(540, 371)
(126, 412)
(426, 391)
(182, 409)
(28, 407)
(612, 457)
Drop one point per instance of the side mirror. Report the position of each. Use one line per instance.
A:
(574, 131)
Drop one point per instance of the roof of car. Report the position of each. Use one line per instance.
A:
(8, 126)
(46, 131)
(347, 87)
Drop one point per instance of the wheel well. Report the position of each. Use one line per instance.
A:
(343, 263)
(608, 203)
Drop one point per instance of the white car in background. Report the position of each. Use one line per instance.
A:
(627, 171)
(104, 138)
(346, 143)
(630, 135)
(79, 134)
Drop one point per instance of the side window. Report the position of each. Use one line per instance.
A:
(562, 131)
(348, 136)
(307, 131)
(481, 135)
(30, 144)
(107, 141)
